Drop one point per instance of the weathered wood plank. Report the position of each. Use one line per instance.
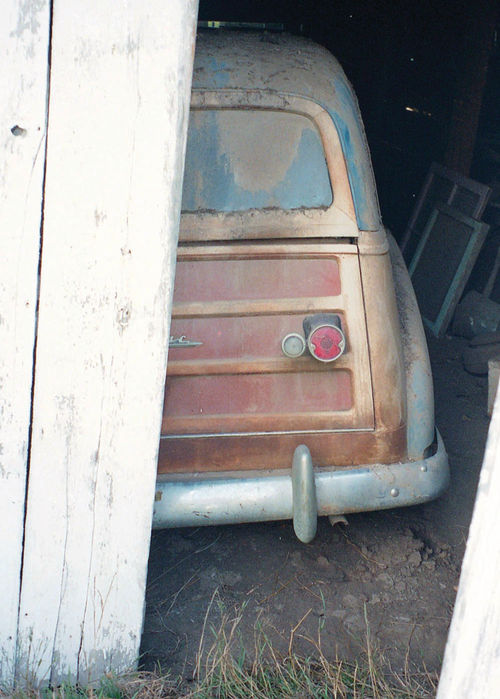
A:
(120, 81)
(471, 665)
(24, 42)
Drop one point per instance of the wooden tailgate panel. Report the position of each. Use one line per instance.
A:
(239, 301)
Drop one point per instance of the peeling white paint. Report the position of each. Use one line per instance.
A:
(120, 82)
(24, 37)
(471, 667)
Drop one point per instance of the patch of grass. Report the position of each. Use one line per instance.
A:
(224, 670)
(232, 678)
(136, 685)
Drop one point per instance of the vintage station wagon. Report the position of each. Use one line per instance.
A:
(298, 381)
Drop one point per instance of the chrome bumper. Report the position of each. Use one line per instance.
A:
(269, 495)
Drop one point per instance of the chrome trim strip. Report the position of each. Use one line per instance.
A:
(230, 500)
(262, 434)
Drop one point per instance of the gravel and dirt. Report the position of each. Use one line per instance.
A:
(391, 576)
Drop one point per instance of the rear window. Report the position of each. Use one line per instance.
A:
(238, 160)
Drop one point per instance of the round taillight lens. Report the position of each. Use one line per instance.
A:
(293, 345)
(326, 343)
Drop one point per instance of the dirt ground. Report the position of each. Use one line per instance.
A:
(392, 574)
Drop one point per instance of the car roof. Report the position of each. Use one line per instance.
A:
(290, 65)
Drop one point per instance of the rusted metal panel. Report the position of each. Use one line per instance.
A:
(275, 451)
(384, 339)
(254, 342)
(260, 394)
(236, 425)
(235, 303)
(269, 495)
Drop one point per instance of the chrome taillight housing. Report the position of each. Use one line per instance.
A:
(324, 336)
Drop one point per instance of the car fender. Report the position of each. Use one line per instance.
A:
(419, 387)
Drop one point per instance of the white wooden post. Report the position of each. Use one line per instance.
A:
(119, 94)
(24, 46)
(471, 667)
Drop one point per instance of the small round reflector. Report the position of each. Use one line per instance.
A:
(326, 343)
(293, 345)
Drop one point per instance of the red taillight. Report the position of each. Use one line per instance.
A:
(324, 336)
(326, 343)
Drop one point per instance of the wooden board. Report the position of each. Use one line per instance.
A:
(471, 667)
(119, 95)
(443, 262)
(24, 42)
(443, 186)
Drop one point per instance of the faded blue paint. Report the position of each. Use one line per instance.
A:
(209, 180)
(292, 66)
(353, 141)
(221, 72)
(420, 401)
(307, 182)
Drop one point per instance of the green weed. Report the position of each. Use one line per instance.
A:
(224, 669)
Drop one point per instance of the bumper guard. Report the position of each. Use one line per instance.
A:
(271, 495)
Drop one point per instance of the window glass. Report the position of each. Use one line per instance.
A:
(254, 159)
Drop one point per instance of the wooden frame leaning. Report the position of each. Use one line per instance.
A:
(443, 186)
(442, 263)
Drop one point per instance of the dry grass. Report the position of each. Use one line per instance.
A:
(224, 670)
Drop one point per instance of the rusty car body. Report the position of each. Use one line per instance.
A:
(280, 235)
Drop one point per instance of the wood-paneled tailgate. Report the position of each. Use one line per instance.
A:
(239, 301)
